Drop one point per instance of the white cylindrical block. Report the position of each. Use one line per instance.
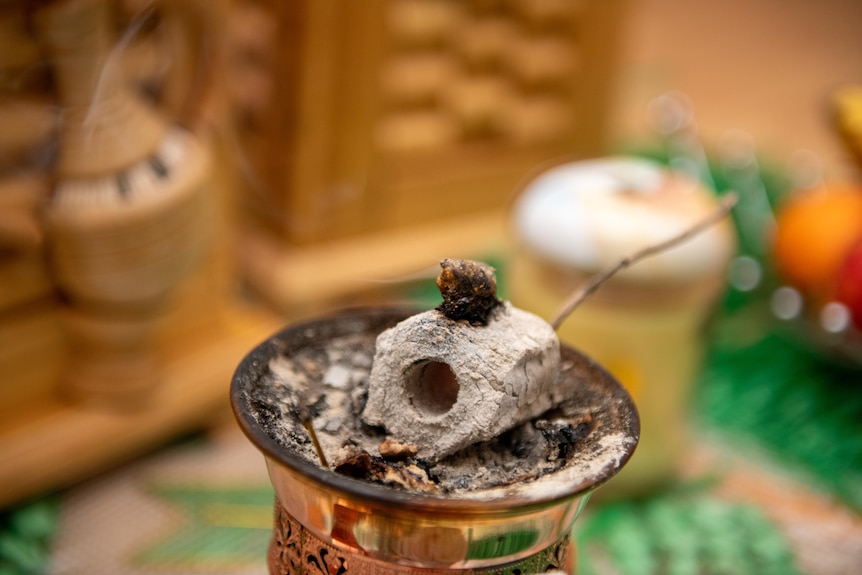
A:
(444, 384)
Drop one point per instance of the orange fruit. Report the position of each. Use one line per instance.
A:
(816, 230)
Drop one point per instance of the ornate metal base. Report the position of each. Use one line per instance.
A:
(294, 550)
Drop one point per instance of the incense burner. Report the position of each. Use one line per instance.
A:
(327, 522)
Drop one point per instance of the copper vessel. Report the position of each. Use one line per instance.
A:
(326, 522)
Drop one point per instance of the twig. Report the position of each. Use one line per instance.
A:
(305, 416)
(316, 442)
(580, 294)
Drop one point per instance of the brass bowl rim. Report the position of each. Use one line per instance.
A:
(373, 494)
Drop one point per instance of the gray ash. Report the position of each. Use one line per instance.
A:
(330, 384)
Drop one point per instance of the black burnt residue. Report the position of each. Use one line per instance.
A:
(366, 467)
(563, 435)
(469, 291)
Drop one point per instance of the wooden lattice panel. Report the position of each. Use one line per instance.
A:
(385, 113)
(455, 72)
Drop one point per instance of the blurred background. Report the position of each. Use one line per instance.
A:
(178, 180)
